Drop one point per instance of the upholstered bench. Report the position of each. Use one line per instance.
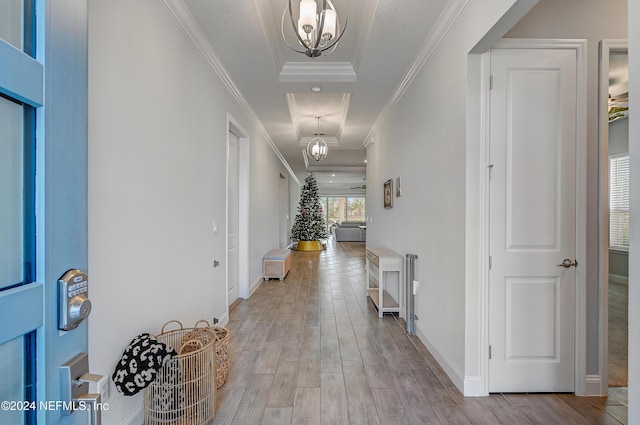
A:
(276, 264)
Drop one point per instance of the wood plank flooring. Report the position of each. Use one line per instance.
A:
(311, 350)
(618, 333)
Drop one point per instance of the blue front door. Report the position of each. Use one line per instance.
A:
(43, 214)
(21, 298)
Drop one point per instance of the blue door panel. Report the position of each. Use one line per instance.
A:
(20, 75)
(22, 307)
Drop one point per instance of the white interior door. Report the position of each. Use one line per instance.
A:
(233, 211)
(532, 220)
(284, 211)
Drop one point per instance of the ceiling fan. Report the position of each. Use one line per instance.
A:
(618, 106)
(362, 187)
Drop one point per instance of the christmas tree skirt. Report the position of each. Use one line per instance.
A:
(309, 246)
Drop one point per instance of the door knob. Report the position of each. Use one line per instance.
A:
(566, 263)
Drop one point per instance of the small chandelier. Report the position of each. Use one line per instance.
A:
(317, 147)
(314, 32)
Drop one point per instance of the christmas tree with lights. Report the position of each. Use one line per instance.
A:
(309, 224)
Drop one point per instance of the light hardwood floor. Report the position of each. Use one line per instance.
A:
(312, 350)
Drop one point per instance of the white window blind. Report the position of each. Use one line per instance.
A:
(619, 202)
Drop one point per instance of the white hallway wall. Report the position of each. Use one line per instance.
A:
(423, 141)
(157, 170)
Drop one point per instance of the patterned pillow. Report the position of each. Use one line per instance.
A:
(140, 363)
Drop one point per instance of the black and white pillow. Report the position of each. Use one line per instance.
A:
(140, 363)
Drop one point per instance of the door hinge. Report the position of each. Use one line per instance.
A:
(491, 82)
(490, 167)
(490, 262)
(489, 352)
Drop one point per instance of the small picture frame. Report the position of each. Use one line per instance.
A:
(388, 194)
(398, 191)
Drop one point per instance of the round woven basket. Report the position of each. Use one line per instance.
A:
(184, 391)
(222, 360)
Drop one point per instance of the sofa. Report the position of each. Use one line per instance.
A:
(348, 231)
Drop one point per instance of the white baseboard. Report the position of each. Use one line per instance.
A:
(473, 387)
(446, 364)
(618, 278)
(137, 415)
(254, 286)
(593, 386)
(224, 319)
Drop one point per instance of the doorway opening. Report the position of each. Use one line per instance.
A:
(237, 213)
(614, 216)
(283, 190)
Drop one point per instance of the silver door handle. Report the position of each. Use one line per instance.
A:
(566, 263)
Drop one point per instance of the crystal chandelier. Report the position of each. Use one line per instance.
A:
(317, 147)
(313, 32)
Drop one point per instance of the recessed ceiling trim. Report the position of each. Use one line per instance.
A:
(337, 169)
(443, 25)
(314, 72)
(331, 142)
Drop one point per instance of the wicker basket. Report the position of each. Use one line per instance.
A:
(222, 350)
(184, 391)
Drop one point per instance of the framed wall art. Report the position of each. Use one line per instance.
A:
(388, 194)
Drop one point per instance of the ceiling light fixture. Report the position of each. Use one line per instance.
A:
(313, 32)
(317, 147)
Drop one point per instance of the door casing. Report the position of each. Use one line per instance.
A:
(581, 195)
(243, 213)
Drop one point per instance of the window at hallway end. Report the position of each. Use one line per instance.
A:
(619, 202)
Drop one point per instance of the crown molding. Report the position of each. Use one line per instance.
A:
(271, 33)
(187, 22)
(443, 25)
(364, 30)
(293, 112)
(346, 102)
(318, 72)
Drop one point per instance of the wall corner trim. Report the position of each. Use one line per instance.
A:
(592, 386)
(473, 386)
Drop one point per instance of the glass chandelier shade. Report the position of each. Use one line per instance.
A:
(309, 30)
(317, 149)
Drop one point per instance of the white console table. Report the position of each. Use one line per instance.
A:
(386, 261)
